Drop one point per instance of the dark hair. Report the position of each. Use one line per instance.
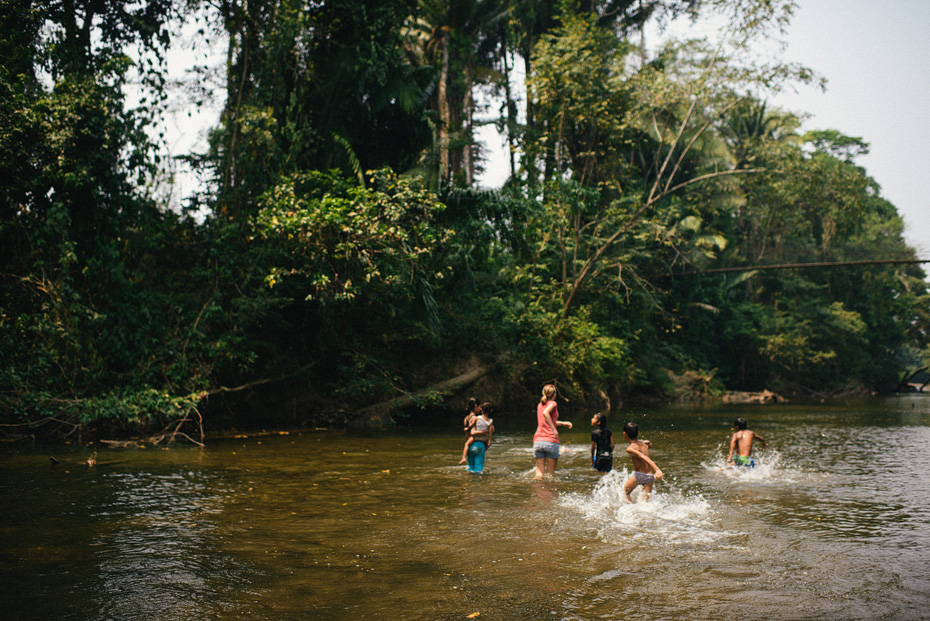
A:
(487, 408)
(631, 430)
(471, 405)
(601, 420)
(740, 423)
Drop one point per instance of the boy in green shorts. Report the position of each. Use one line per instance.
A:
(741, 444)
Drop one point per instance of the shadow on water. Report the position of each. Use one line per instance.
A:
(832, 523)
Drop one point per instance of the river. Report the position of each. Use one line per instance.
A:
(833, 523)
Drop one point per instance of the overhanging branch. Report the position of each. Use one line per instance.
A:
(795, 266)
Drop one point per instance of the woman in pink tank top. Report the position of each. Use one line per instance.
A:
(546, 439)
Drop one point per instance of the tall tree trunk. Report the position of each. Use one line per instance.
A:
(532, 172)
(468, 165)
(511, 114)
(444, 115)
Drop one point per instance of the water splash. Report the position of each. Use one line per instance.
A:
(669, 516)
(769, 467)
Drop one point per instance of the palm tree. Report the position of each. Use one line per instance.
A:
(463, 39)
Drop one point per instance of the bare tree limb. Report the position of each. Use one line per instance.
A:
(795, 266)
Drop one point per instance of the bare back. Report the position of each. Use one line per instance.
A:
(639, 464)
(741, 444)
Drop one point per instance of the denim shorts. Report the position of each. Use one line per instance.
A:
(546, 450)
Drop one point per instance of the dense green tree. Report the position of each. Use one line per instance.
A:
(82, 337)
(315, 87)
(644, 243)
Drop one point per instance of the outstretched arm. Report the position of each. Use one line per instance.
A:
(732, 448)
(645, 458)
(761, 439)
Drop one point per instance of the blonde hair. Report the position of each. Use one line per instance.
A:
(548, 392)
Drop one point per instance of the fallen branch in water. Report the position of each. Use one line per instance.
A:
(177, 431)
(119, 443)
(89, 462)
(261, 434)
(766, 396)
(378, 416)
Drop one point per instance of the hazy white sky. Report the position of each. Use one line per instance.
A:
(876, 58)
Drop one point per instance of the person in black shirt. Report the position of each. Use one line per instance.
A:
(602, 445)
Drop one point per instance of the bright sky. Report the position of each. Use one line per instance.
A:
(875, 57)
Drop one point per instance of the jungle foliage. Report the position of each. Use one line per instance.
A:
(341, 251)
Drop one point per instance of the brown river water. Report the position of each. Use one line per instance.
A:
(833, 523)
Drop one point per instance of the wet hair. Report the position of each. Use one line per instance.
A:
(631, 430)
(740, 423)
(487, 408)
(471, 405)
(601, 420)
(548, 392)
